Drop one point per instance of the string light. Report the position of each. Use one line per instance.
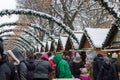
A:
(109, 53)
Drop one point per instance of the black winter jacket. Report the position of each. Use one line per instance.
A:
(6, 72)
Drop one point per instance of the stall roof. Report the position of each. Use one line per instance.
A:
(96, 36)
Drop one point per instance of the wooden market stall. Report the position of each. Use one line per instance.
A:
(62, 41)
(59, 46)
(112, 42)
(46, 47)
(93, 39)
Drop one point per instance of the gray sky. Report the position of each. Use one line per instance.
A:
(8, 4)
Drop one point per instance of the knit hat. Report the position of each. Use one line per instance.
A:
(77, 55)
(107, 59)
(99, 55)
(1, 46)
(84, 70)
(114, 55)
(44, 56)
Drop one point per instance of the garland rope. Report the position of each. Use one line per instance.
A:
(40, 14)
(20, 42)
(32, 26)
(9, 30)
(18, 38)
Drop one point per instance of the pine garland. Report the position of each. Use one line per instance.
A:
(8, 35)
(113, 10)
(9, 30)
(21, 45)
(17, 43)
(29, 33)
(17, 46)
(22, 42)
(32, 26)
(40, 14)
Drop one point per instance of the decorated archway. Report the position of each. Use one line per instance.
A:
(22, 46)
(22, 42)
(41, 15)
(29, 33)
(21, 38)
(30, 25)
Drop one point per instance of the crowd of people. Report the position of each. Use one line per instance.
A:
(49, 66)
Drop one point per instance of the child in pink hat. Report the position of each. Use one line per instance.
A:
(84, 74)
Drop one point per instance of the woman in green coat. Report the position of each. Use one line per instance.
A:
(63, 69)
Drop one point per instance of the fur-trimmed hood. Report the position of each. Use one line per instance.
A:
(16, 55)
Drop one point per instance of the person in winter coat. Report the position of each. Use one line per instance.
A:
(115, 65)
(30, 68)
(15, 56)
(84, 74)
(97, 63)
(49, 58)
(106, 71)
(45, 56)
(42, 68)
(76, 65)
(62, 67)
(6, 72)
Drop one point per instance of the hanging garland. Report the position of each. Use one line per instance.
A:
(29, 33)
(43, 15)
(18, 38)
(17, 46)
(32, 26)
(17, 43)
(111, 7)
(21, 42)
(11, 35)
(113, 10)
(108, 39)
(46, 32)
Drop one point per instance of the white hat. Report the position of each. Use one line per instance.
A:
(114, 55)
(77, 55)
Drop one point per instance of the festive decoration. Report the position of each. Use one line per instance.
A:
(21, 42)
(17, 46)
(7, 35)
(109, 38)
(32, 26)
(17, 43)
(111, 7)
(40, 14)
(29, 33)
